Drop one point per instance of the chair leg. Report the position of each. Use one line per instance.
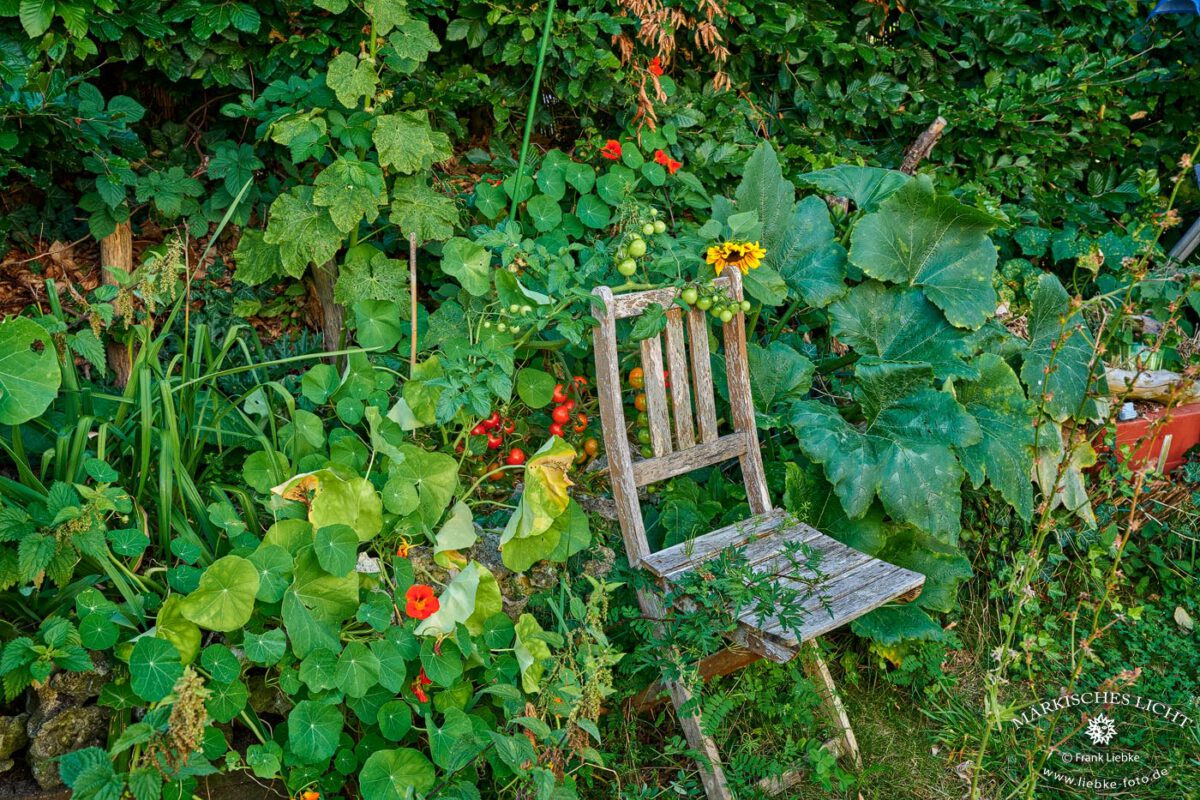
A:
(711, 773)
(831, 702)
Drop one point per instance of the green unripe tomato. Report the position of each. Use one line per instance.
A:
(637, 248)
(514, 309)
(514, 329)
(704, 303)
(500, 326)
(643, 435)
(647, 452)
(526, 309)
(627, 267)
(642, 419)
(648, 229)
(654, 212)
(726, 315)
(690, 296)
(660, 226)
(622, 253)
(487, 323)
(745, 305)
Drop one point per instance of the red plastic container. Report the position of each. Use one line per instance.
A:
(1183, 428)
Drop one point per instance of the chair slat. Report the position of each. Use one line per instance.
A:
(687, 554)
(681, 400)
(652, 470)
(633, 304)
(656, 396)
(706, 407)
(741, 404)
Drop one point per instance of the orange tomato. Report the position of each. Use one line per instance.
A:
(591, 447)
(639, 402)
(637, 378)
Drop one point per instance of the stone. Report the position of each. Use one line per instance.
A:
(69, 730)
(12, 738)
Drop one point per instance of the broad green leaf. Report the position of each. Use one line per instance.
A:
(1004, 454)
(470, 598)
(765, 285)
(154, 667)
(1070, 489)
(551, 175)
(292, 535)
(366, 273)
(303, 231)
(318, 670)
(418, 209)
(432, 476)
(29, 374)
(943, 565)
(352, 190)
(220, 663)
(448, 743)
(264, 469)
(545, 496)
(470, 263)
(274, 565)
(535, 387)
(406, 142)
(1058, 362)
(331, 598)
(414, 41)
(898, 324)
(226, 700)
(35, 15)
(544, 213)
(171, 625)
(575, 533)
(395, 720)
(391, 774)
(866, 186)
(934, 242)
(892, 625)
(334, 500)
(593, 212)
(313, 729)
(490, 200)
(302, 133)
(265, 648)
(767, 194)
(806, 253)
(225, 598)
(777, 374)
(336, 547)
(441, 660)
(386, 14)
(357, 670)
(377, 324)
(904, 454)
(457, 532)
(351, 79)
(531, 651)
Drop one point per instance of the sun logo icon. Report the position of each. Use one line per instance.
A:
(1101, 729)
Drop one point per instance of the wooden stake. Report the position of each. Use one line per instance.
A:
(116, 255)
(412, 290)
(923, 146)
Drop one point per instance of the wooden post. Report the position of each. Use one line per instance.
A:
(116, 255)
(923, 146)
(332, 314)
(412, 289)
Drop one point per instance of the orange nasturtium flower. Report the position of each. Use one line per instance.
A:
(419, 684)
(421, 603)
(743, 255)
(611, 150)
(671, 164)
(309, 794)
(656, 66)
(402, 550)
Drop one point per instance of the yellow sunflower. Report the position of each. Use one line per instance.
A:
(743, 255)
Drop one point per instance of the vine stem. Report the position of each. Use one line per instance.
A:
(533, 99)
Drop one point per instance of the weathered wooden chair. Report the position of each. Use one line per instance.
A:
(849, 583)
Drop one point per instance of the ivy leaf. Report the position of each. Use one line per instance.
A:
(407, 143)
(366, 273)
(923, 239)
(1005, 453)
(352, 190)
(303, 231)
(898, 324)
(904, 452)
(29, 372)
(470, 263)
(351, 79)
(807, 254)
(396, 775)
(225, 598)
(1058, 364)
(313, 730)
(778, 373)
(154, 667)
(418, 209)
(866, 186)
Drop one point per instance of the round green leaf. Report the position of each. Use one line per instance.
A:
(395, 719)
(379, 325)
(336, 547)
(176, 629)
(544, 212)
(274, 565)
(97, 632)
(318, 670)
(389, 774)
(313, 731)
(225, 597)
(154, 666)
(226, 700)
(29, 374)
(535, 387)
(470, 263)
(265, 648)
(221, 663)
(357, 670)
(593, 212)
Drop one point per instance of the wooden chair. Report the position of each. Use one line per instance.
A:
(684, 436)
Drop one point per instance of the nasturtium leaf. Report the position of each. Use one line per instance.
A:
(395, 719)
(551, 175)
(377, 325)
(29, 373)
(128, 542)
(351, 78)
(450, 743)
(531, 650)
(778, 373)
(544, 212)
(154, 667)
(264, 648)
(406, 142)
(545, 496)
(1058, 362)
(580, 176)
(98, 632)
(274, 566)
(575, 533)
(171, 625)
(498, 632)
(220, 663)
(396, 775)
(293, 535)
(922, 239)
(470, 263)
(303, 231)
(490, 200)
(318, 670)
(1005, 452)
(418, 209)
(226, 700)
(264, 469)
(357, 670)
(352, 190)
(535, 387)
(443, 665)
(593, 212)
(457, 532)
(313, 729)
(336, 547)
(224, 600)
(904, 454)
(338, 501)
(376, 611)
(331, 598)
(434, 477)
(393, 667)
(263, 759)
(470, 598)
(867, 187)
(898, 324)
(806, 253)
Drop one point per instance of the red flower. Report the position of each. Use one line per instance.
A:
(421, 681)
(421, 602)
(656, 66)
(612, 150)
(495, 181)
(671, 164)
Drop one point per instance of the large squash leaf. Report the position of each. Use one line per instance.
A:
(1004, 454)
(920, 238)
(807, 254)
(1059, 359)
(904, 451)
(866, 186)
(29, 374)
(777, 373)
(898, 324)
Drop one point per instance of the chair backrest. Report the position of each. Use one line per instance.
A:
(678, 411)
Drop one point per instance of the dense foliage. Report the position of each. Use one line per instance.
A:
(373, 568)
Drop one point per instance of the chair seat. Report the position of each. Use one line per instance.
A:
(845, 584)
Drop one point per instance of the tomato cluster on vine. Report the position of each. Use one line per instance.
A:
(495, 428)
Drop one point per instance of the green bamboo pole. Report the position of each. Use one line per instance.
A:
(533, 100)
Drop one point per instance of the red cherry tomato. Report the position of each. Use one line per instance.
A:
(591, 447)
(667, 378)
(494, 473)
(561, 414)
(580, 381)
(570, 404)
(516, 457)
(556, 429)
(494, 442)
(479, 430)
(493, 421)
(559, 395)
(509, 426)
(581, 422)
